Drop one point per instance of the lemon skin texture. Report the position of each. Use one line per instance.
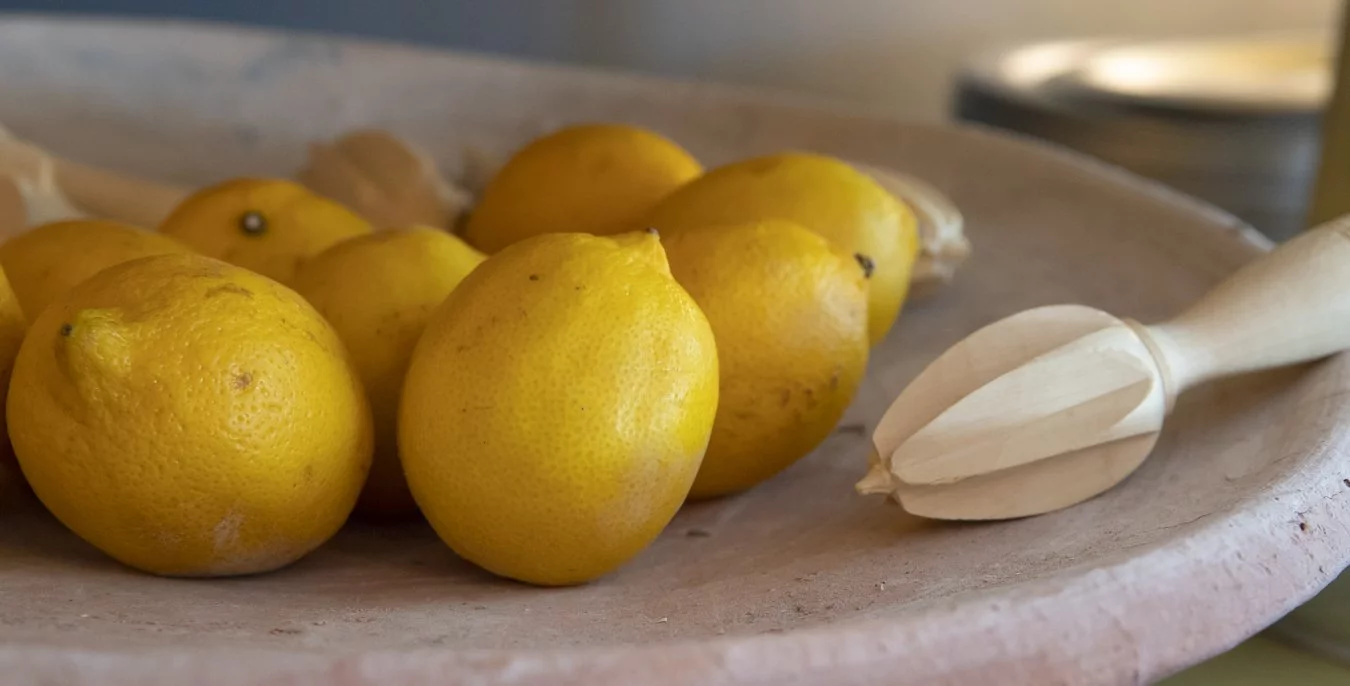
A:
(789, 312)
(821, 193)
(190, 418)
(269, 226)
(589, 178)
(558, 406)
(48, 260)
(378, 291)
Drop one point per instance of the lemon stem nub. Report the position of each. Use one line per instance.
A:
(253, 222)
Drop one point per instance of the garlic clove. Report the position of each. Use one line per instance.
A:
(13, 209)
(384, 179)
(944, 246)
(28, 192)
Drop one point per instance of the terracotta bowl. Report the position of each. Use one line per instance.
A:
(1241, 513)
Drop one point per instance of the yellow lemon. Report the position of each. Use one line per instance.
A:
(821, 193)
(594, 178)
(378, 292)
(267, 225)
(789, 311)
(558, 406)
(190, 418)
(12, 328)
(48, 260)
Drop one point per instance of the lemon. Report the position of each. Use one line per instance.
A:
(821, 193)
(558, 406)
(789, 311)
(378, 292)
(190, 418)
(591, 178)
(12, 328)
(47, 260)
(267, 225)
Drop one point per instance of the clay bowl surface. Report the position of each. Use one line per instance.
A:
(1240, 514)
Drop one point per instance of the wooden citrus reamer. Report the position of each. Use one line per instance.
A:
(1054, 405)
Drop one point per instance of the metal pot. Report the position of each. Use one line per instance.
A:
(1244, 137)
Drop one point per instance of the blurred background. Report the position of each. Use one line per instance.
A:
(898, 54)
(1252, 152)
(1221, 99)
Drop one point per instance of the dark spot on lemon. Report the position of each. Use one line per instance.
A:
(241, 381)
(868, 266)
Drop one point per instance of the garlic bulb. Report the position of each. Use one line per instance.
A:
(28, 192)
(384, 179)
(943, 243)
